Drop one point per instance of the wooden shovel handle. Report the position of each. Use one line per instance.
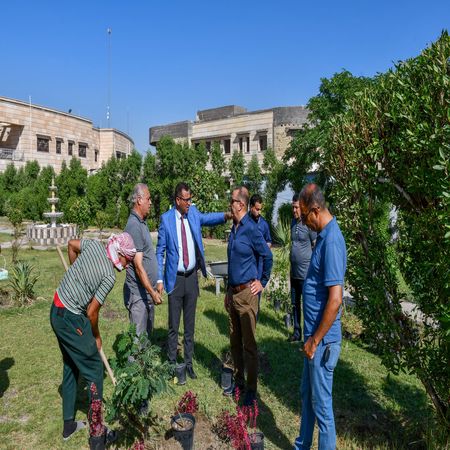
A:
(58, 249)
(108, 367)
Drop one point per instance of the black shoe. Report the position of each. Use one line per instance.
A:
(111, 436)
(72, 428)
(143, 409)
(190, 372)
(294, 338)
(249, 398)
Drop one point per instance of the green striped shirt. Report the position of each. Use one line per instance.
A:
(91, 275)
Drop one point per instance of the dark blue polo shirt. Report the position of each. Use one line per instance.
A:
(327, 268)
(245, 246)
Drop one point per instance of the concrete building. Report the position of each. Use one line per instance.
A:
(31, 132)
(236, 129)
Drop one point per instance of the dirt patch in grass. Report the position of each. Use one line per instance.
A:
(111, 314)
(5, 298)
(204, 438)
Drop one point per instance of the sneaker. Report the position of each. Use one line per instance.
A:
(79, 425)
(231, 391)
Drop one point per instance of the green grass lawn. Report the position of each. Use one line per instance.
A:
(372, 409)
(5, 237)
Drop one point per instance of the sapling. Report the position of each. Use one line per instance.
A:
(141, 374)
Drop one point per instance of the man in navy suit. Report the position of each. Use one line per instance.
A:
(180, 240)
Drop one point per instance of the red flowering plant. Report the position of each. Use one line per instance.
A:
(239, 427)
(95, 416)
(188, 404)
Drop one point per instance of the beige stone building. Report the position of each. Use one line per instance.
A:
(236, 129)
(31, 132)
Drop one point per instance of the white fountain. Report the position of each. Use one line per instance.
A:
(53, 233)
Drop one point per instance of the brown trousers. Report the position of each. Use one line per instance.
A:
(243, 310)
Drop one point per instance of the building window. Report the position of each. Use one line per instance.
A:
(70, 148)
(263, 142)
(227, 146)
(43, 144)
(120, 155)
(208, 146)
(197, 145)
(96, 155)
(58, 147)
(244, 144)
(82, 150)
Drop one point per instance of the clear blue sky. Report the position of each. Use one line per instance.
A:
(172, 58)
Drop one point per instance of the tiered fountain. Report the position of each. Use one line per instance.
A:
(53, 233)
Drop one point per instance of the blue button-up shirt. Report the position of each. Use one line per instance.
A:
(245, 245)
(263, 226)
(327, 268)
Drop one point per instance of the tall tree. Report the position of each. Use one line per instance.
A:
(389, 151)
(304, 154)
(253, 175)
(237, 168)
(275, 181)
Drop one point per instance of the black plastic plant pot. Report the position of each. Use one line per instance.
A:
(257, 440)
(183, 430)
(180, 373)
(226, 378)
(97, 442)
(287, 320)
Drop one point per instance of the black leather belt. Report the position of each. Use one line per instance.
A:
(186, 274)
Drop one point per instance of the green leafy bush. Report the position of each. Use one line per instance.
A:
(141, 374)
(387, 153)
(22, 281)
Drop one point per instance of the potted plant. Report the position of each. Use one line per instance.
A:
(183, 420)
(239, 428)
(141, 374)
(97, 430)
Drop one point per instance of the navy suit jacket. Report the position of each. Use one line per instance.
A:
(168, 242)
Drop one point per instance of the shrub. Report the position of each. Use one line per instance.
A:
(141, 374)
(22, 281)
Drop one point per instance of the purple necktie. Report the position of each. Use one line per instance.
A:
(184, 245)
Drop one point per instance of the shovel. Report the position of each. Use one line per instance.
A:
(102, 353)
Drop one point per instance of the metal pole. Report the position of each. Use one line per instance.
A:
(108, 113)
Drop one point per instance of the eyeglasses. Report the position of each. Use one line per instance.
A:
(187, 200)
(305, 216)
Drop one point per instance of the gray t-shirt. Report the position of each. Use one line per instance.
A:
(138, 230)
(302, 239)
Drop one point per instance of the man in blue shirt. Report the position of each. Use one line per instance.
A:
(322, 299)
(256, 204)
(245, 245)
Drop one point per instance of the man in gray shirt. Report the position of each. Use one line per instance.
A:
(139, 290)
(302, 243)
